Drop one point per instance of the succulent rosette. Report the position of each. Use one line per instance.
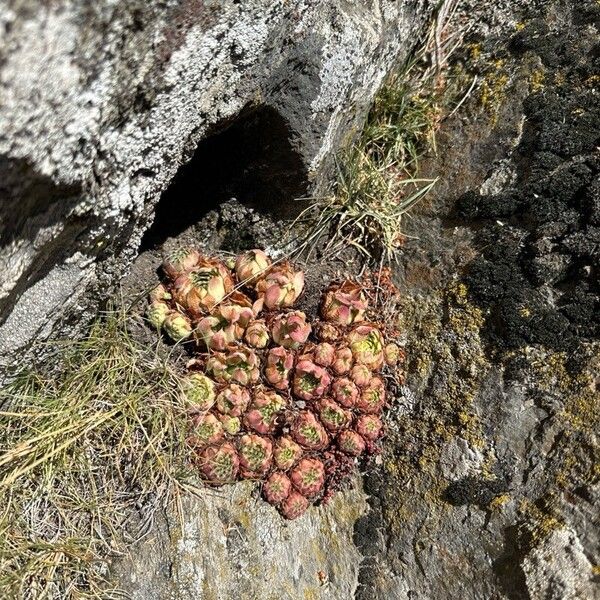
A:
(308, 476)
(181, 260)
(207, 430)
(324, 354)
(219, 464)
(307, 431)
(366, 343)
(350, 442)
(279, 364)
(214, 333)
(361, 375)
(310, 381)
(239, 366)
(344, 303)
(251, 265)
(231, 425)
(343, 361)
(177, 326)
(291, 330)
(200, 290)
(372, 397)
(264, 410)
(294, 505)
(287, 453)
(277, 488)
(369, 426)
(237, 309)
(199, 391)
(332, 415)
(327, 332)
(392, 354)
(281, 286)
(256, 455)
(345, 392)
(257, 334)
(156, 313)
(233, 400)
(160, 294)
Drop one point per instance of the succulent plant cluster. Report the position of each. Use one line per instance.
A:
(273, 397)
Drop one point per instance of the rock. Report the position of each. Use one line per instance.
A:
(230, 544)
(101, 105)
(487, 484)
(558, 569)
(458, 459)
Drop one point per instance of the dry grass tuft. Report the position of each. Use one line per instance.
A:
(378, 177)
(85, 459)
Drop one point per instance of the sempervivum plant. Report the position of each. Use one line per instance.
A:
(324, 354)
(279, 364)
(160, 294)
(287, 453)
(233, 400)
(343, 360)
(181, 260)
(203, 288)
(157, 312)
(310, 380)
(199, 391)
(345, 391)
(214, 333)
(226, 323)
(361, 375)
(308, 476)
(351, 442)
(257, 334)
(256, 455)
(344, 303)
(392, 354)
(264, 411)
(291, 330)
(281, 399)
(207, 430)
(308, 432)
(177, 326)
(281, 286)
(332, 415)
(219, 464)
(372, 397)
(240, 365)
(231, 425)
(251, 265)
(369, 426)
(277, 488)
(366, 343)
(294, 505)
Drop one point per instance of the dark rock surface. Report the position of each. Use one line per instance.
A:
(490, 488)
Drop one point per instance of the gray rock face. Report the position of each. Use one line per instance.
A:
(101, 104)
(232, 544)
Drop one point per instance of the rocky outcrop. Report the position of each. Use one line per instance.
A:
(487, 486)
(102, 103)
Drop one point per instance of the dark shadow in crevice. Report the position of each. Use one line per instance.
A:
(252, 159)
(30, 202)
(507, 567)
